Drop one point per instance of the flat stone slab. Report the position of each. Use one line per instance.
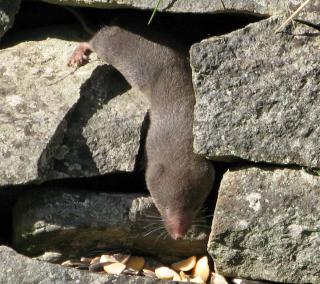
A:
(57, 123)
(258, 96)
(262, 7)
(266, 225)
(74, 223)
(16, 268)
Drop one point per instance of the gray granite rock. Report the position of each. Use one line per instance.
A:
(262, 7)
(16, 268)
(104, 129)
(8, 10)
(266, 225)
(77, 223)
(258, 96)
(58, 123)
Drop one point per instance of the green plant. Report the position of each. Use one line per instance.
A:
(154, 12)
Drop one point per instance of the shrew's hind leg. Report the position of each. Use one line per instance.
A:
(80, 56)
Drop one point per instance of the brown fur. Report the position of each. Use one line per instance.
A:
(179, 181)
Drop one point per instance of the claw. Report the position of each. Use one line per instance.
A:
(80, 56)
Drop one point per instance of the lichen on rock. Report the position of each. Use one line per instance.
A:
(266, 225)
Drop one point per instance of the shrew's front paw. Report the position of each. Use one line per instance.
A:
(80, 56)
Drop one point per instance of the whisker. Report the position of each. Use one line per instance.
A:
(204, 209)
(208, 216)
(152, 225)
(152, 231)
(152, 216)
(200, 220)
(200, 223)
(163, 234)
(154, 221)
(202, 226)
(203, 219)
(157, 239)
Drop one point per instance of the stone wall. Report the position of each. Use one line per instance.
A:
(257, 95)
(256, 115)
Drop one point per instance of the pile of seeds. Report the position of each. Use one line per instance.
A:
(192, 269)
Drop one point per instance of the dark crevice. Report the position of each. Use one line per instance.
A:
(112, 183)
(141, 159)
(312, 25)
(186, 28)
(220, 169)
(230, 162)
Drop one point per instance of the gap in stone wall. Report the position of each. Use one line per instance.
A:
(112, 183)
(185, 27)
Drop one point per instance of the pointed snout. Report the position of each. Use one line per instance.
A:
(178, 224)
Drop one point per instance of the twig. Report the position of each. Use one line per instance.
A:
(69, 74)
(64, 77)
(293, 15)
(224, 7)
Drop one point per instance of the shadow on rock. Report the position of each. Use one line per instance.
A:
(68, 154)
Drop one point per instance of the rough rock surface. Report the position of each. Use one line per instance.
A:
(16, 268)
(57, 123)
(266, 225)
(8, 10)
(258, 96)
(263, 7)
(75, 223)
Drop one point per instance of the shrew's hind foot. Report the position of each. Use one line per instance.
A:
(80, 56)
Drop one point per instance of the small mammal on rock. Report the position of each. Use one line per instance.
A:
(179, 180)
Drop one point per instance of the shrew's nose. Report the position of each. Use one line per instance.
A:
(178, 225)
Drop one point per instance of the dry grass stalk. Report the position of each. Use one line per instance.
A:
(296, 12)
(222, 3)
